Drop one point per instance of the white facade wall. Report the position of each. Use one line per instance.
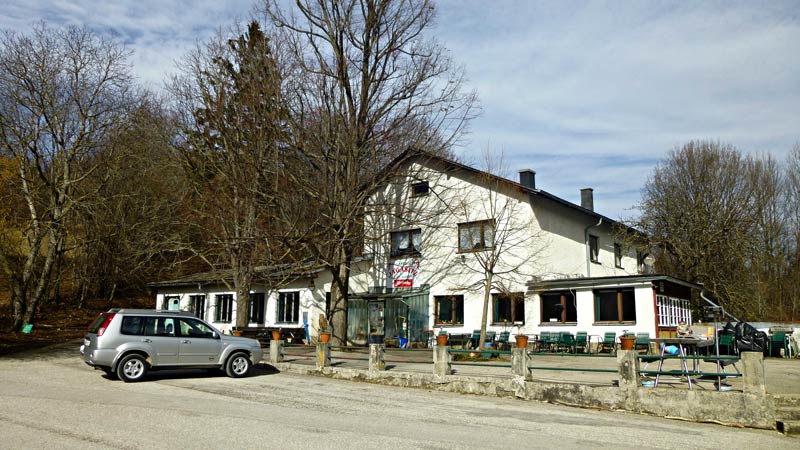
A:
(546, 240)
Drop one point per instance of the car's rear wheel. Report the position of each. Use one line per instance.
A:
(132, 368)
(238, 365)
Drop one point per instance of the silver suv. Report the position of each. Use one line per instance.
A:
(130, 342)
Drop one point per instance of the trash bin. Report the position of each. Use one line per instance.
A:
(403, 342)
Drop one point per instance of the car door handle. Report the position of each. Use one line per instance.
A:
(186, 341)
(146, 340)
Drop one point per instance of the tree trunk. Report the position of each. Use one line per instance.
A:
(487, 289)
(339, 300)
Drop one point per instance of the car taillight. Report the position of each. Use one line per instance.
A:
(103, 327)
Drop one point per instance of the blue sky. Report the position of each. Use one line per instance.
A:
(588, 94)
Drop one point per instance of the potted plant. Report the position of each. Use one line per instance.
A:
(522, 339)
(236, 332)
(324, 331)
(627, 340)
(441, 338)
(276, 334)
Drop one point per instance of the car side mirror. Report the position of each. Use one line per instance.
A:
(215, 335)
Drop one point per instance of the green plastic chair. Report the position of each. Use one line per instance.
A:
(502, 340)
(726, 344)
(566, 341)
(582, 341)
(642, 339)
(609, 342)
(777, 341)
(473, 340)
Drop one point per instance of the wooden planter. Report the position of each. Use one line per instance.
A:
(522, 340)
(276, 335)
(627, 342)
(324, 337)
(441, 340)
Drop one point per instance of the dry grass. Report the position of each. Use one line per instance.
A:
(56, 324)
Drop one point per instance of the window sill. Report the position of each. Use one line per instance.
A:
(558, 324)
(415, 254)
(448, 325)
(507, 324)
(596, 262)
(625, 323)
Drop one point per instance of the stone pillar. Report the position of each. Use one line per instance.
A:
(753, 379)
(376, 354)
(441, 360)
(323, 355)
(275, 351)
(519, 363)
(628, 361)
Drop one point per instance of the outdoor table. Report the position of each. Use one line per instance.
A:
(683, 344)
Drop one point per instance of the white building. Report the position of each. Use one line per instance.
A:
(437, 232)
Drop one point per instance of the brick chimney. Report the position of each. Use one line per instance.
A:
(587, 198)
(527, 178)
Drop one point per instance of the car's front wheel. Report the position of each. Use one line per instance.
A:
(238, 365)
(132, 368)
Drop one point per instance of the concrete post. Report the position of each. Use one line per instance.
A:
(276, 351)
(376, 354)
(441, 360)
(753, 379)
(628, 361)
(323, 355)
(519, 363)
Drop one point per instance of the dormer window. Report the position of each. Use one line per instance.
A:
(420, 189)
(407, 242)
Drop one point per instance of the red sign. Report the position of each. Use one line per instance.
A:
(404, 283)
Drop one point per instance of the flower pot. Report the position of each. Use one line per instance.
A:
(626, 342)
(324, 337)
(522, 340)
(276, 335)
(441, 340)
(237, 333)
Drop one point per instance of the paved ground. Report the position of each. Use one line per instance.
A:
(782, 375)
(52, 400)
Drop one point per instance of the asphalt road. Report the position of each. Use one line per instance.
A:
(51, 400)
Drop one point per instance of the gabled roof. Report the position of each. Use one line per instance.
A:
(418, 155)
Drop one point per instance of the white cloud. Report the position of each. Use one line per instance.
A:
(589, 93)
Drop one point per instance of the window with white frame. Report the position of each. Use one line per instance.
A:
(288, 307)
(618, 255)
(258, 304)
(672, 310)
(224, 308)
(198, 305)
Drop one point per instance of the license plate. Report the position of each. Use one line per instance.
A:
(86, 342)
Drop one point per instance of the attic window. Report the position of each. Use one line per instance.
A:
(419, 189)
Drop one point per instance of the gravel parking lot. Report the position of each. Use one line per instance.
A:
(52, 400)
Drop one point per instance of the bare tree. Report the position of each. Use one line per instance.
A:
(698, 210)
(63, 92)
(498, 240)
(230, 95)
(366, 84)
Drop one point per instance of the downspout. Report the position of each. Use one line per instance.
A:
(586, 242)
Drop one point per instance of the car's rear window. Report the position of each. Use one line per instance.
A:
(98, 322)
(132, 325)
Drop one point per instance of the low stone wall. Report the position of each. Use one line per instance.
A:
(750, 408)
